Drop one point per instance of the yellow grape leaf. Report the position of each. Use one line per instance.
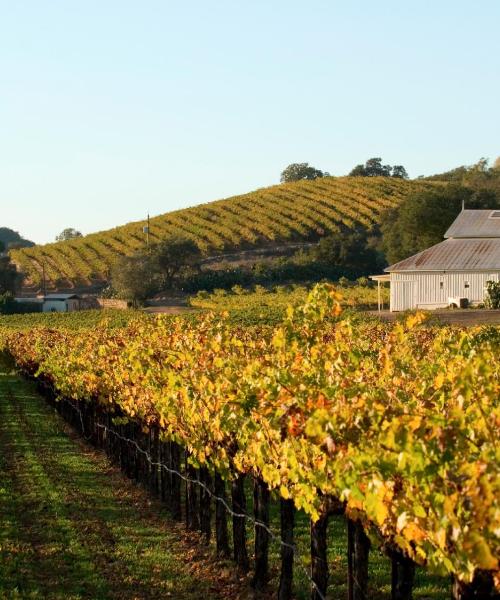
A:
(402, 520)
(439, 380)
(284, 492)
(413, 532)
(381, 512)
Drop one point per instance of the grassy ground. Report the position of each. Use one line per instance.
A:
(72, 527)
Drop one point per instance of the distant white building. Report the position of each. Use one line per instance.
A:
(61, 303)
(453, 272)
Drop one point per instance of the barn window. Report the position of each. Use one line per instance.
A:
(466, 285)
(441, 285)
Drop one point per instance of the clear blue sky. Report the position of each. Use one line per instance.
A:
(112, 108)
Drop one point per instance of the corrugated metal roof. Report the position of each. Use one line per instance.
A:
(475, 224)
(60, 296)
(454, 255)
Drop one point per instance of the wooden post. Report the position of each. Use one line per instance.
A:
(221, 535)
(192, 520)
(205, 503)
(175, 465)
(287, 516)
(261, 515)
(111, 439)
(358, 549)
(481, 588)
(138, 453)
(107, 440)
(143, 465)
(123, 449)
(155, 458)
(136, 432)
(127, 467)
(95, 429)
(319, 563)
(165, 477)
(132, 451)
(142, 456)
(148, 467)
(100, 430)
(350, 559)
(88, 420)
(403, 576)
(239, 528)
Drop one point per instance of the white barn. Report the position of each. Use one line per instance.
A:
(453, 272)
(61, 303)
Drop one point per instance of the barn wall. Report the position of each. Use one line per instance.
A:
(411, 290)
(73, 304)
(54, 306)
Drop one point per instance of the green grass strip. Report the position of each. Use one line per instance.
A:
(71, 527)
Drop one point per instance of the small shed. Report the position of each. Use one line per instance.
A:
(29, 304)
(61, 303)
(453, 272)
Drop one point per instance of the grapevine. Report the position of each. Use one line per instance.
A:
(398, 423)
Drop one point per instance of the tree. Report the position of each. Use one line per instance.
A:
(350, 249)
(399, 171)
(10, 278)
(358, 171)
(423, 218)
(298, 171)
(133, 278)
(374, 168)
(138, 277)
(174, 257)
(493, 294)
(68, 234)
(11, 239)
(477, 176)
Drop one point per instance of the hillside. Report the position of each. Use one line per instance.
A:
(281, 214)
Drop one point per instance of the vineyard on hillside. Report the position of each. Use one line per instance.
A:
(286, 213)
(394, 426)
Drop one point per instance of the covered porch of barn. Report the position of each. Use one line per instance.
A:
(381, 279)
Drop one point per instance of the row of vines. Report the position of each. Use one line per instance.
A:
(394, 426)
(285, 213)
